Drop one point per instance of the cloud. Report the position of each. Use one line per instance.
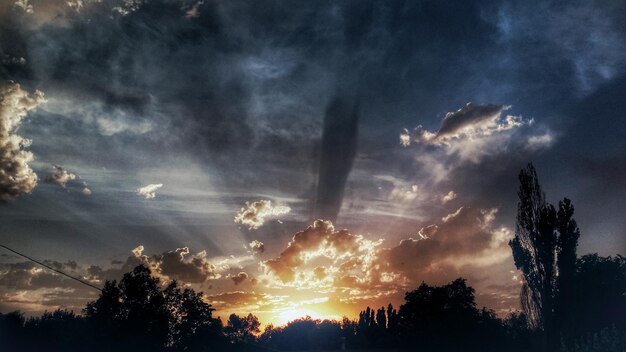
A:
(405, 138)
(257, 246)
(471, 118)
(239, 278)
(149, 191)
(404, 194)
(191, 11)
(236, 300)
(464, 240)
(61, 176)
(16, 176)
(470, 123)
(30, 276)
(540, 141)
(128, 6)
(322, 259)
(339, 253)
(580, 35)
(32, 288)
(448, 197)
(9, 60)
(24, 5)
(472, 136)
(179, 265)
(337, 153)
(254, 214)
(109, 127)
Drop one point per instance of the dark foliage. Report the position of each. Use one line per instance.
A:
(136, 314)
(242, 329)
(445, 318)
(307, 334)
(598, 298)
(544, 249)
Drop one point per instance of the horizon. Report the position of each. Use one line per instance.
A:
(295, 158)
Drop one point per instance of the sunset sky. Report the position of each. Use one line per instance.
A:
(293, 158)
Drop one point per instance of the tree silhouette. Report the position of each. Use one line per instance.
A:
(308, 334)
(138, 314)
(12, 332)
(599, 296)
(568, 235)
(192, 326)
(381, 318)
(141, 319)
(544, 249)
(392, 318)
(445, 318)
(242, 329)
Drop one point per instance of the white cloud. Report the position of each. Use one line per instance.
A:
(540, 141)
(254, 214)
(149, 191)
(24, 5)
(61, 176)
(16, 176)
(109, 126)
(404, 194)
(448, 197)
(405, 138)
(471, 122)
(472, 134)
(257, 246)
(128, 6)
(321, 253)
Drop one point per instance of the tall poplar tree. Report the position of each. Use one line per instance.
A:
(544, 250)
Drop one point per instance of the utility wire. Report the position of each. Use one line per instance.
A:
(51, 268)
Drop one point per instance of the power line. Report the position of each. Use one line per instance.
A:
(51, 268)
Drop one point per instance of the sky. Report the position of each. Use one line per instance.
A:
(294, 158)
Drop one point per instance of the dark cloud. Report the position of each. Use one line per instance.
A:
(464, 237)
(468, 115)
(70, 264)
(179, 265)
(30, 276)
(337, 155)
(239, 278)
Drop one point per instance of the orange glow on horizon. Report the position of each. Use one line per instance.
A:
(290, 315)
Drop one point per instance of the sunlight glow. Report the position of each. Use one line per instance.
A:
(289, 315)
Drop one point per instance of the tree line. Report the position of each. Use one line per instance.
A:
(568, 304)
